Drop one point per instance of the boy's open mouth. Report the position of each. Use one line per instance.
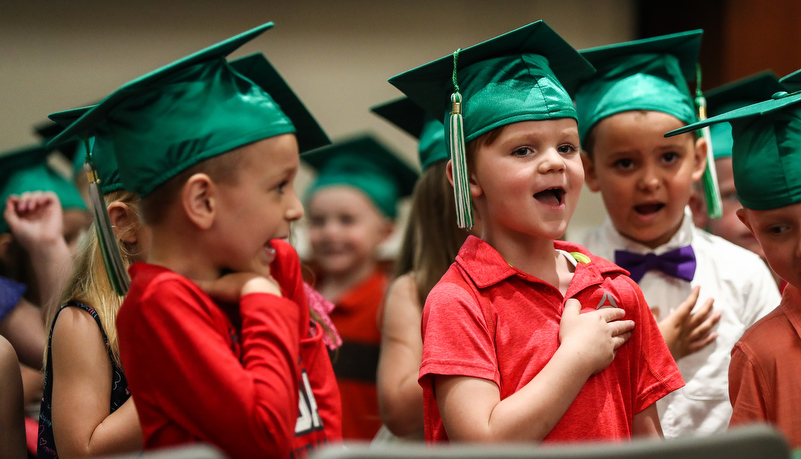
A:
(648, 209)
(552, 196)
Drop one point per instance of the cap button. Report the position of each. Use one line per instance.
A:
(779, 95)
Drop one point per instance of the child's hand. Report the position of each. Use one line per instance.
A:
(687, 332)
(594, 336)
(35, 219)
(230, 287)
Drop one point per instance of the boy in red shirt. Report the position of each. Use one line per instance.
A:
(523, 338)
(766, 154)
(211, 147)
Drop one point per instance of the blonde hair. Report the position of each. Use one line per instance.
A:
(432, 240)
(89, 284)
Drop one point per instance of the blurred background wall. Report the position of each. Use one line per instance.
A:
(337, 55)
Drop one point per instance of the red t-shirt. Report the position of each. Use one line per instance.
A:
(196, 376)
(765, 370)
(356, 361)
(486, 319)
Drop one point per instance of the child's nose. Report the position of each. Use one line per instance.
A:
(649, 180)
(294, 210)
(552, 161)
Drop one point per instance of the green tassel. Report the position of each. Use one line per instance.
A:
(456, 145)
(112, 259)
(714, 206)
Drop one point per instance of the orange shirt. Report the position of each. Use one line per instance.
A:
(765, 370)
(356, 362)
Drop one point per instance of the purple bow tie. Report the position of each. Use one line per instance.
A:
(677, 263)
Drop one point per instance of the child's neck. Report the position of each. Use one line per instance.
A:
(535, 256)
(334, 285)
(181, 253)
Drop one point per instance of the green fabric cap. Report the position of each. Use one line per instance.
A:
(523, 75)
(103, 159)
(412, 119)
(792, 82)
(649, 74)
(25, 170)
(47, 130)
(766, 157)
(191, 110)
(746, 91)
(366, 164)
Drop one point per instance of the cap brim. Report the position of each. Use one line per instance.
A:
(749, 90)
(685, 46)
(757, 109)
(792, 82)
(403, 113)
(430, 85)
(101, 110)
(258, 69)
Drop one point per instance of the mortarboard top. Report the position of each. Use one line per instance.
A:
(526, 74)
(103, 159)
(792, 82)
(412, 119)
(746, 91)
(25, 170)
(766, 155)
(366, 164)
(648, 74)
(186, 112)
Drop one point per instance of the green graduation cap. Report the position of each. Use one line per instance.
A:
(523, 75)
(366, 164)
(412, 119)
(649, 74)
(766, 154)
(196, 108)
(740, 93)
(102, 153)
(792, 82)
(46, 130)
(25, 170)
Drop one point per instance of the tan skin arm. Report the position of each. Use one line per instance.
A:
(82, 425)
(400, 397)
(646, 423)
(472, 410)
(24, 329)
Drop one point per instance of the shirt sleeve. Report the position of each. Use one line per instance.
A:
(457, 340)
(746, 389)
(658, 374)
(10, 294)
(178, 339)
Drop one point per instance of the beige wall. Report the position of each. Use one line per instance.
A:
(337, 55)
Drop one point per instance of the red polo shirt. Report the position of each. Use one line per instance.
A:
(486, 319)
(765, 369)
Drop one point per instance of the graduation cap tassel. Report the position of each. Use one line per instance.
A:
(456, 146)
(112, 260)
(714, 206)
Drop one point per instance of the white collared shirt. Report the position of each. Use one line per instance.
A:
(744, 291)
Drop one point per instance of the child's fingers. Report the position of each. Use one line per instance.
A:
(702, 314)
(620, 340)
(572, 308)
(705, 327)
(686, 306)
(620, 327)
(696, 346)
(611, 314)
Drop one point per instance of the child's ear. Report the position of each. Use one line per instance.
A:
(743, 216)
(199, 200)
(699, 158)
(590, 177)
(123, 221)
(698, 207)
(387, 228)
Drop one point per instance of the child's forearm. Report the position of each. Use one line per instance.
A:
(51, 263)
(118, 433)
(475, 413)
(646, 423)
